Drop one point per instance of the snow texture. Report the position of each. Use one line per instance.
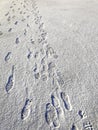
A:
(48, 65)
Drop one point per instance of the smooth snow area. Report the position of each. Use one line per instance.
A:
(48, 65)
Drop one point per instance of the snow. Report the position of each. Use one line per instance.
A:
(48, 65)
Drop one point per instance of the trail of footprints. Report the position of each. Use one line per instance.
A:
(45, 53)
(46, 70)
(55, 110)
(42, 39)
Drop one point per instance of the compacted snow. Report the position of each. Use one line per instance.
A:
(48, 65)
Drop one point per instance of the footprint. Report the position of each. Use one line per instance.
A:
(66, 101)
(20, 12)
(44, 68)
(28, 16)
(11, 7)
(40, 40)
(35, 67)
(74, 127)
(29, 54)
(59, 78)
(9, 18)
(25, 32)
(16, 23)
(43, 35)
(1, 33)
(42, 51)
(51, 116)
(36, 75)
(10, 30)
(25, 113)
(49, 51)
(36, 54)
(51, 65)
(28, 25)
(7, 57)
(18, 8)
(13, 16)
(32, 41)
(82, 114)
(87, 126)
(44, 42)
(24, 12)
(24, 6)
(17, 40)
(40, 17)
(41, 26)
(7, 14)
(48, 117)
(44, 77)
(36, 22)
(43, 60)
(56, 104)
(36, 19)
(23, 19)
(10, 82)
(55, 56)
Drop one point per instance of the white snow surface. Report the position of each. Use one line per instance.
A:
(48, 65)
